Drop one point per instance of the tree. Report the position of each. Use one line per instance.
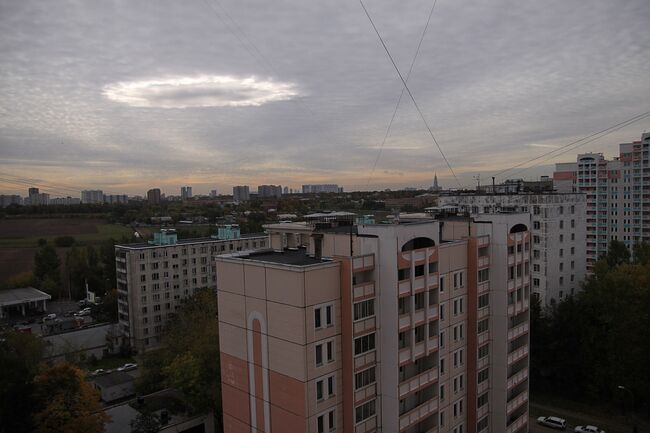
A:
(20, 355)
(617, 254)
(66, 402)
(47, 264)
(641, 253)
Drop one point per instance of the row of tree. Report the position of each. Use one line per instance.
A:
(595, 346)
(43, 399)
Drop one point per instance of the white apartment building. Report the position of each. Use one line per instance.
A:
(92, 196)
(241, 193)
(617, 194)
(558, 233)
(321, 188)
(153, 279)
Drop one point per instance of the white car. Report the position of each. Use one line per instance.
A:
(98, 372)
(84, 312)
(588, 429)
(50, 316)
(127, 367)
(552, 422)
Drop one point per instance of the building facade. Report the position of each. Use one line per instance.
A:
(153, 196)
(186, 193)
(240, 193)
(92, 196)
(153, 279)
(267, 191)
(116, 199)
(559, 262)
(617, 193)
(410, 327)
(321, 188)
(8, 200)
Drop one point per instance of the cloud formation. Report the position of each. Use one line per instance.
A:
(200, 91)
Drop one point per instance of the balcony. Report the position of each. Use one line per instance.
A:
(367, 358)
(517, 354)
(483, 241)
(363, 290)
(517, 378)
(419, 413)
(363, 263)
(516, 402)
(483, 262)
(417, 382)
(518, 331)
(518, 423)
(365, 393)
(484, 286)
(404, 287)
(364, 326)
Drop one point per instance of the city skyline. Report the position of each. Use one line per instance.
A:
(129, 97)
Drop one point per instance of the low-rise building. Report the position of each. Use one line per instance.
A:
(114, 386)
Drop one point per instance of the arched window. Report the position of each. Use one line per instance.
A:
(517, 228)
(417, 243)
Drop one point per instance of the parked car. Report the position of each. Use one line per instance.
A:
(588, 429)
(98, 372)
(552, 422)
(127, 367)
(84, 312)
(50, 316)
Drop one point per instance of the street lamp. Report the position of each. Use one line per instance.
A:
(621, 387)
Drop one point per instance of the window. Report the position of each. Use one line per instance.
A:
(330, 351)
(364, 309)
(483, 275)
(483, 351)
(419, 333)
(331, 420)
(364, 378)
(329, 320)
(317, 318)
(433, 267)
(330, 386)
(321, 424)
(327, 311)
(364, 411)
(442, 392)
(482, 400)
(483, 325)
(404, 305)
(319, 390)
(483, 375)
(442, 365)
(419, 270)
(442, 284)
(364, 344)
(482, 424)
(419, 301)
(442, 312)
(403, 274)
(483, 300)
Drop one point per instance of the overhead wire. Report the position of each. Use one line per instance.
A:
(401, 95)
(417, 107)
(605, 132)
(622, 125)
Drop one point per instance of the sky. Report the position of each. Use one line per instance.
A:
(129, 95)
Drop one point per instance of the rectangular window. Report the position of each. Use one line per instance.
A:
(484, 300)
(331, 420)
(364, 309)
(442, 284)
(364, 344)
(482, 400)
(330, 351)
(364, 378)
(483, 351)
(482, 325)
(419, 270)
(419, 301)
(317, 319)
(319, 390)
(330, 386)
(328, 315)
(364, 411)
(482, 424)
(321, 424)
(404, 274)
(483, 275)
(442, 312)
(319, 354)
(433, 267)
(483, 375)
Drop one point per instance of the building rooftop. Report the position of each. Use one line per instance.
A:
(295, 257)
(143, 245)
(21, 296)
(113, 379)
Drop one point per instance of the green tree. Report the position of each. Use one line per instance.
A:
(617, 253)
(47, 264)
(66, 402)
(20, 355)
(145, 423)
(641, 253)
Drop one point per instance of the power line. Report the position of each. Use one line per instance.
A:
(604, 132)
(629, 122)
(410, 95)
(399, 100)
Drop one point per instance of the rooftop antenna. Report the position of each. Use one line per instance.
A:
(478, 182)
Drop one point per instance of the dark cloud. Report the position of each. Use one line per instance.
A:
(497, 81)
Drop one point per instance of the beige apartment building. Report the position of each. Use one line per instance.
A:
(153, 279)
(418, 326)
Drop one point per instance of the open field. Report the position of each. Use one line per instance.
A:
(19, 239)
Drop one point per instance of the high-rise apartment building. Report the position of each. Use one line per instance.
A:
(240, 193)
(153, 196)
(36, 198)
(410, 327)
(558, 233)
(116, 199)
(617, 193)
(153, 279)
(8, 200)
(186, 192)
(321, 188)
(92, 196)
(266, 191)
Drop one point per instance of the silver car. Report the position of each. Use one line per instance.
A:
(552, 422)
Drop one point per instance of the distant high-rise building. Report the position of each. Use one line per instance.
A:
(321, 188)
(65, 201)
(37, 198)
(265, 191)
(286, 190)
(116, 199)
(617, 199)
(92, 196)
(240, 193)
(8, 200)
(186, 192)
(153, 196)
(213, 193)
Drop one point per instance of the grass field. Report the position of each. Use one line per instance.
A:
(19, 238)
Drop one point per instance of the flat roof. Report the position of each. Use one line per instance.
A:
(287, 257)
(22, 296)
(143, 245)
(112, 379)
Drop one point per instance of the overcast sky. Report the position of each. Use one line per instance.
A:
(128, 95)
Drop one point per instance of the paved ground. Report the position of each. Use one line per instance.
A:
(610, 423)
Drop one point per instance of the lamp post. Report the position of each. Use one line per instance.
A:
(621, 387)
